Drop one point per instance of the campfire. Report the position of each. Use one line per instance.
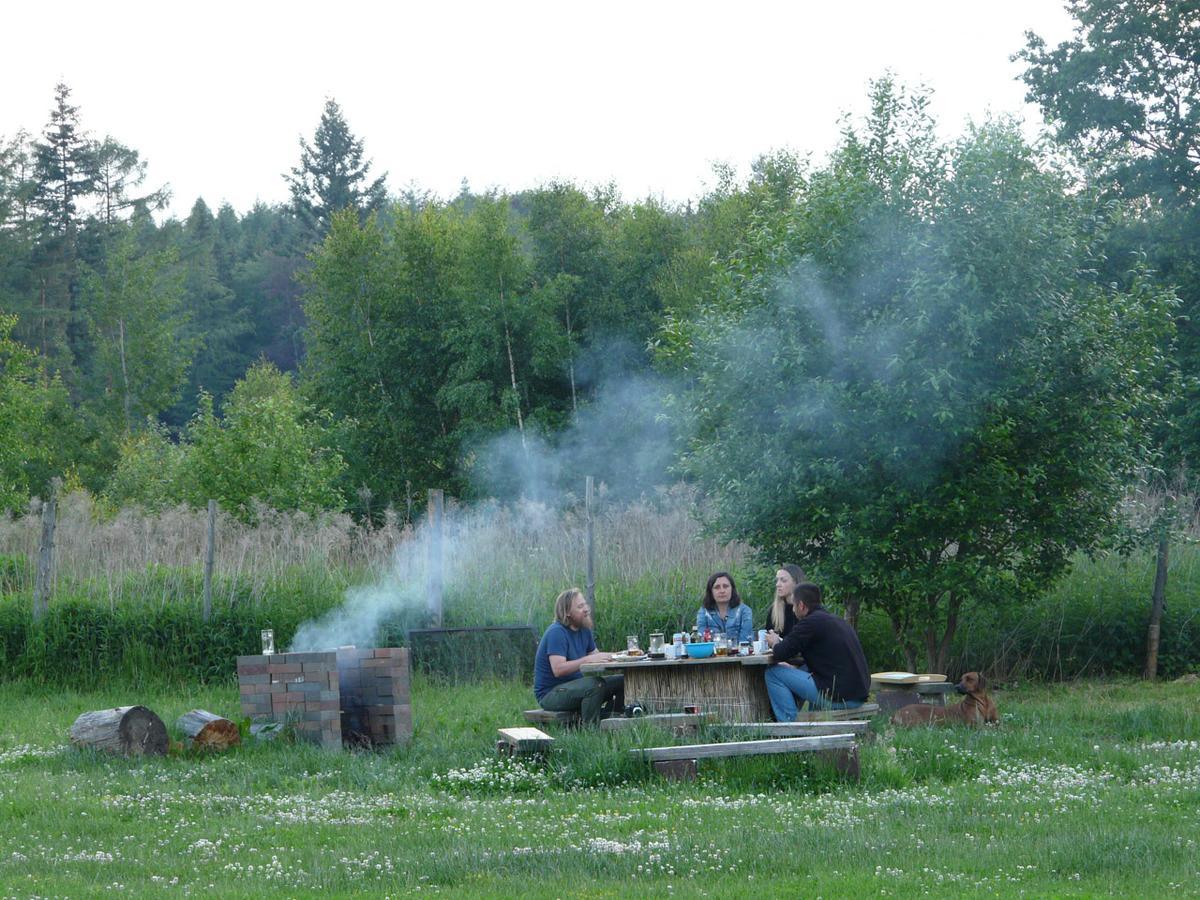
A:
(350, 696)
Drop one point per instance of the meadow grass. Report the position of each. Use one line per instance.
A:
(129, 586)
(1084, 789)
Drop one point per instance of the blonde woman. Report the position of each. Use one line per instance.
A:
(780, 617)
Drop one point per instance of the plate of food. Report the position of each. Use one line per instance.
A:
(629, 656)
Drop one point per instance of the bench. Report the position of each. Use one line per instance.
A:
(677, 721)
(836, 715)
(679, 763)
(797, 729)
(546, 717)
(523, 742)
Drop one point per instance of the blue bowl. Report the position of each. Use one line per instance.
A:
(700, 650)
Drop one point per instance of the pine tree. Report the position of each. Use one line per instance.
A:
(64, 175)
(65, 165)
(332, 175)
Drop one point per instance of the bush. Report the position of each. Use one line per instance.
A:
(1093, 623)
(162, 637)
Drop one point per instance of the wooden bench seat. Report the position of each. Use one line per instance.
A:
(835, 715)
(663, 720)
(680, 762)
(857, 727)
(541, 716)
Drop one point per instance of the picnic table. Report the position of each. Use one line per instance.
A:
(728, 688)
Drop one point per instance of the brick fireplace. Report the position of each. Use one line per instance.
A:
(355, 696)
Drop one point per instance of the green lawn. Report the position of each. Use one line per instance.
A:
(1084, 789)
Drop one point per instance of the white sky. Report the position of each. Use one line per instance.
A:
(506, 93)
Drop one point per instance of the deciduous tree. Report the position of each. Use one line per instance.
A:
(915, 384)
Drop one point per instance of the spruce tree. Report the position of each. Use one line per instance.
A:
(65, 165)
(332, 174)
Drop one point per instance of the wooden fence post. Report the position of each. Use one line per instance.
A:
(45, 566)
(1157, 602)
(588, 496)
(435, 511)
(209, 551)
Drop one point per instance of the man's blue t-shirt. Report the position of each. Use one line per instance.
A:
(559, 640)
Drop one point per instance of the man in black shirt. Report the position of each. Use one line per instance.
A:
(834, 673)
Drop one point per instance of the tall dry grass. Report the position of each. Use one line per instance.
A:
(657, 542)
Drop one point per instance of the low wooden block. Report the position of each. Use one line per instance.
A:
(527, 740)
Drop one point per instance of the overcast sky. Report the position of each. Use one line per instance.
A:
(504, 94)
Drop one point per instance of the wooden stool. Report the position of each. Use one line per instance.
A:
(523, 742)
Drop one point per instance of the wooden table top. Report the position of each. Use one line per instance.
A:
(756, 659)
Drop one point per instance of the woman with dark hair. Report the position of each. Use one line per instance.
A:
(780, 617)
(723, 611)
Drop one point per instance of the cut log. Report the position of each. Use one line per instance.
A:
(207, 731)
(127, 730)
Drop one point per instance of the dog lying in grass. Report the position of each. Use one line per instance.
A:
(976, 708)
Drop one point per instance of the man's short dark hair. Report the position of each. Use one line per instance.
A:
(808, 593)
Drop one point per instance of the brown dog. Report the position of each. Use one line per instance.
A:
(976, 708)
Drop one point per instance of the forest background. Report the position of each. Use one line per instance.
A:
(355, 347)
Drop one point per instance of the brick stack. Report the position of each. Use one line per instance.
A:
(376, 699)
(300, 689)
(361, 696)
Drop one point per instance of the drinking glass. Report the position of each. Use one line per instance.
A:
(631, 642)
(268, 641)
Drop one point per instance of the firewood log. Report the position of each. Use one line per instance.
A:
(127, 730)
(208, 731)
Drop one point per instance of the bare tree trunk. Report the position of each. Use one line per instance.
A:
(899, 631)
(852, 607)
(125, 376)
(938, 664)
(1157, 602)
(512, 374)
(571, 359)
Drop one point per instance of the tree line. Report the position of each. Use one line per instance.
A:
(421, 325)
(409, 328)
(927, 368)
